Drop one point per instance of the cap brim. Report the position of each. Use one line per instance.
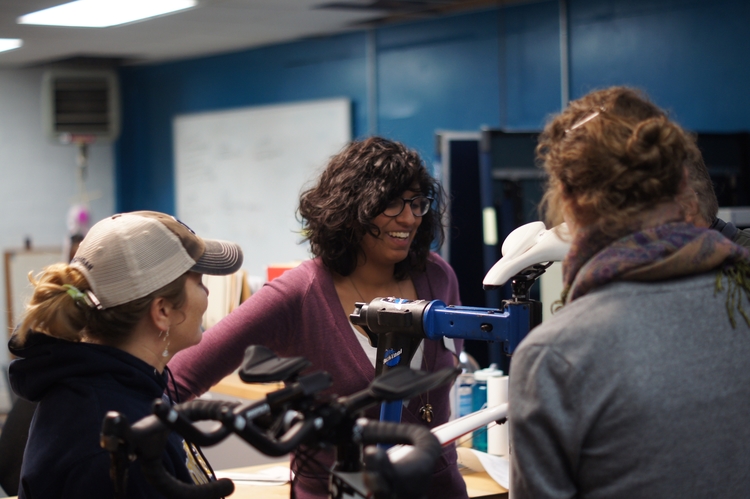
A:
(219, 258)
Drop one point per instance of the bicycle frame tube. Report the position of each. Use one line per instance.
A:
(453, 430)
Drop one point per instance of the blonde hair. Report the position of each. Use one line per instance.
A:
(611, 155)
(54, 311)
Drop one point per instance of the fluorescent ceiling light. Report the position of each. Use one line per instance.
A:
(9, 44)
(104, 13)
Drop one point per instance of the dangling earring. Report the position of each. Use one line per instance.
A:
(165, 353)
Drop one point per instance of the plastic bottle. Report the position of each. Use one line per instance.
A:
(479, 401)
(465, 382)
(460, 393)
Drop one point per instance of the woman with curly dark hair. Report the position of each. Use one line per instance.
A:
(367, 180)
(653, 337)
(370, 218)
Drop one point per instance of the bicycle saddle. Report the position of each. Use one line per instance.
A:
(528, 245)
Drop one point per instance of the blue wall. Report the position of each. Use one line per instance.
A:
(690, 56)
(496, 68)
(154, 95)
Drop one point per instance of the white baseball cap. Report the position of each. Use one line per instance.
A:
(130, 255)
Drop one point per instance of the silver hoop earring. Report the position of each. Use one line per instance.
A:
(165, 353)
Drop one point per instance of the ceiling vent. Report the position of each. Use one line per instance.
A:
(81, 105)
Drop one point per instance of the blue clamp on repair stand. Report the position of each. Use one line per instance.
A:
(397, 326)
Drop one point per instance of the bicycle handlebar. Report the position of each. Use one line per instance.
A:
(147, 439)
(269, 446)
(148, 436)
(292, 416)
(195, 410)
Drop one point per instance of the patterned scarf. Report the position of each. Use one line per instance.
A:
(667, 250)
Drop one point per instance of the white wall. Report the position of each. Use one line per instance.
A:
(38, 178)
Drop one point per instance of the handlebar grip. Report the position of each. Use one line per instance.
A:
(180, 418)
(202, 410)
(175, 489)
(411, 477)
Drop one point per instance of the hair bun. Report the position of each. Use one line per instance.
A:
(654, 142)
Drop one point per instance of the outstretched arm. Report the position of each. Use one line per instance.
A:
(267, 318)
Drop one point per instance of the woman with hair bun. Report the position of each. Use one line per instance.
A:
(371, 218)
(638, 386)
(97, 336)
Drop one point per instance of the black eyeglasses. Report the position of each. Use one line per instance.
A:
(420, 205)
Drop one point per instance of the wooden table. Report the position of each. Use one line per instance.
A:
(477, 485)
(232, 385)
(480, 484)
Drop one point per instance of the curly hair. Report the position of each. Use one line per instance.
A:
(355, 187)
(611, 155)
(54, 312)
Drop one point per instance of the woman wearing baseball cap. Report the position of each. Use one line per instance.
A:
(96, 337)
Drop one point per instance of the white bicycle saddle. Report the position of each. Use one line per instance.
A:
(528, 245)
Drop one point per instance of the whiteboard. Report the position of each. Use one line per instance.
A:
(18, 288)
(239, 173)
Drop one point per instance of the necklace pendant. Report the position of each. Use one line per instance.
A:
(425, 412)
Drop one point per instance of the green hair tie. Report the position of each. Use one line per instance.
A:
(87, 298)
(74, 292)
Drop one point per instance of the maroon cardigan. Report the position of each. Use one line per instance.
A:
(299, 314)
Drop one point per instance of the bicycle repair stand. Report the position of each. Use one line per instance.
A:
(397, 326)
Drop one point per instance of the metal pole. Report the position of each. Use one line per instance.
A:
(372, 82)
(564, 56)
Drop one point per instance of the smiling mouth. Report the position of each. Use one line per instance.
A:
(399, 235)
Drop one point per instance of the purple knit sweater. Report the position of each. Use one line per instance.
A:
(299, 314)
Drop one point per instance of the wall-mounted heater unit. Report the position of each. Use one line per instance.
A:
(81, 106)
